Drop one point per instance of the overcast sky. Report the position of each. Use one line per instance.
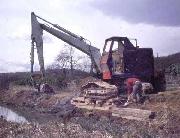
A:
(155, 23)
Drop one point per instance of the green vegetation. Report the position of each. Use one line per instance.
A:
(55, 77)
(167, 61)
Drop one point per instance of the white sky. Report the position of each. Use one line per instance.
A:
(78, 16)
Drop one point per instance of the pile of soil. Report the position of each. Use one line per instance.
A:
(35, 106)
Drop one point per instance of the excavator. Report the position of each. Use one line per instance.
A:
(120, 60)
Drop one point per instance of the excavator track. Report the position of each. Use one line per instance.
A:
(97, 93)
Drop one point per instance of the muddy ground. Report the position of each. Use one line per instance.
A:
(52, 115)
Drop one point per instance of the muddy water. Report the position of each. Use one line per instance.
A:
(9, 115)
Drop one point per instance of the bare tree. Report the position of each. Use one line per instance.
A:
(68, 58)
(84, 64)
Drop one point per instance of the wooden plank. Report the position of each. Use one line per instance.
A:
(101, 97)
(102, 94)
(92, 107)
(128, 117)
(131, 113)
(127, 113)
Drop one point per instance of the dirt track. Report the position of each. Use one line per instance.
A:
(53, 116)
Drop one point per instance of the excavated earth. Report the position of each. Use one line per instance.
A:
(52, 115)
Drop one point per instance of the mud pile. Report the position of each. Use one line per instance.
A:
(28, 98)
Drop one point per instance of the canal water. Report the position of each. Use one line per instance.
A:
(10, 115)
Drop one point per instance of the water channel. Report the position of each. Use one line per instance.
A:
(10, 115)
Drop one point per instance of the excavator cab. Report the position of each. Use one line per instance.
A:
(121, 60)
(112, 60)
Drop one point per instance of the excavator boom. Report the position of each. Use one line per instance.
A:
(63, 34)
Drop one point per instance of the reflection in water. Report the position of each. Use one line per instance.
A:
(9, 115)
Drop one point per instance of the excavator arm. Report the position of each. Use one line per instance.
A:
(37, 41)
(63, 34)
